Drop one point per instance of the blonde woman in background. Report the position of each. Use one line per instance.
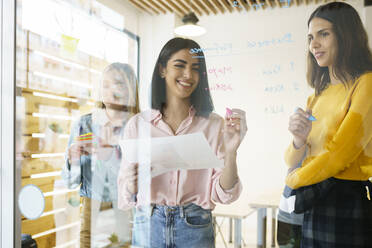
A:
(94, 161)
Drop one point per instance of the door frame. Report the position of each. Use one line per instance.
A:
(10, 229)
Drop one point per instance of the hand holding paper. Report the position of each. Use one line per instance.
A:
(163, 154)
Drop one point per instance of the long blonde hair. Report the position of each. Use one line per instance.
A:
(128, 74)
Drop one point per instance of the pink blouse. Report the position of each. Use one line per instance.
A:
(181, 187)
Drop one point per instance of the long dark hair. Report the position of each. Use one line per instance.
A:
(200, 99)
(353, 57)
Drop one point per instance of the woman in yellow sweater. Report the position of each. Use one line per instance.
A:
(337, 146)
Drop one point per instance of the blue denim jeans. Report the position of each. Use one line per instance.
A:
(188, 226)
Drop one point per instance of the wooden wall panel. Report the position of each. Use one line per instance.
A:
(33, 124)
(40, 165)
(39, 225)
(46, 184)
(46, 241)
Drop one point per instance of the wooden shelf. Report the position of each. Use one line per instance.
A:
(48, 82)
(43, 80)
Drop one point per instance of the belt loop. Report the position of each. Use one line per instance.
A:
(182, 211)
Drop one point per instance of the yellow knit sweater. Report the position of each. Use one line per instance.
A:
(340, 142)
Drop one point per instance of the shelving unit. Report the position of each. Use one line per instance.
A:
(56, 82)
(55, 89)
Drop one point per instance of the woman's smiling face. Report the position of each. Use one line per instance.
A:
(181, 74)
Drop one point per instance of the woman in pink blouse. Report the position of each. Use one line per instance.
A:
(174, 208)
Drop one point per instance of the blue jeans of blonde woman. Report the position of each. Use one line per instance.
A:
(188, 226)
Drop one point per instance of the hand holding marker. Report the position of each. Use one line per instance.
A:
(300, 125)
(230, 118)
(310, 118)
(228, 112)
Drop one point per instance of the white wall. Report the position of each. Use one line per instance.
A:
(154, 32)
(367, 11)
(126, 9)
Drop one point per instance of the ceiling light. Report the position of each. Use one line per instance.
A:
(190, 28)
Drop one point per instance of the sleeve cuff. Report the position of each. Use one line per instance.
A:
(292, 180)
(228, 195)
(293, 156)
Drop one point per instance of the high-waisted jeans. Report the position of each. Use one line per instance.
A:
(188, 226)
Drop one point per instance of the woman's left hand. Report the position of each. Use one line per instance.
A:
(234, 130)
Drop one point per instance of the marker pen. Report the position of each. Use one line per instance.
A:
(310, 118)
(228, 112)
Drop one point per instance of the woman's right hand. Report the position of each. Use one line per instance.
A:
(300, 127)
(131, 173)
(77, 149)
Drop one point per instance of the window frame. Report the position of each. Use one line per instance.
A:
(10, 217)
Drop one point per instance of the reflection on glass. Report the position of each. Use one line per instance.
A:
(254, 60)
(62, 52)
(94, 155)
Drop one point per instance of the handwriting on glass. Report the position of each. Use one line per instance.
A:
(276, 69)
(225, 47)
(296, 86)
(278, 88)
(274, 109)
(287, 38)
(272, 70)
(220, 87)
(275, 88)
(220, 71)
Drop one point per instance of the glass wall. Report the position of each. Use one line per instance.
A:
(78, 79)
(70, 56)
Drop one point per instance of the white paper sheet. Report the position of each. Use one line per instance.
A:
(287, 204)
(188, 152)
